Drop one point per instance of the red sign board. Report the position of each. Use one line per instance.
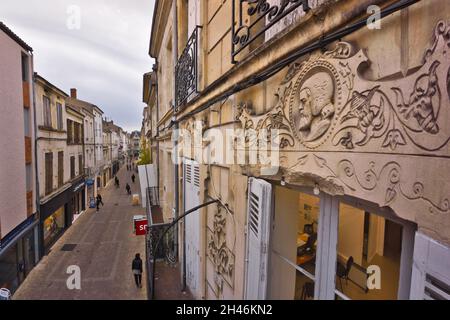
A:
(141, 227)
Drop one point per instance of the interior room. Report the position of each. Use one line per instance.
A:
(364, 239)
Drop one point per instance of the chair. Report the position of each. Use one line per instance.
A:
(343, 271)
(307, 290)
(308, 228)
(308, 247)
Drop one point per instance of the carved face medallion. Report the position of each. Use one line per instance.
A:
(312, 106)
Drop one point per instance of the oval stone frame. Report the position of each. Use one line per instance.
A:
(306, 73)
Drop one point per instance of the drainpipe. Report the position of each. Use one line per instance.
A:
(155, 70)
(39, 236)
(175, 128)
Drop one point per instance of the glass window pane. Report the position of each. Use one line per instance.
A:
(29, 177)
(368, 255)
(26, 122)
(294, 244)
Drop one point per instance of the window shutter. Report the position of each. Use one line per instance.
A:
(192, 225)
(60, 168)
(431, 270)
(258, 231)
(80, 164)
(48, 173)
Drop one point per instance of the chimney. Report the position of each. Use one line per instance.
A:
(73, 93)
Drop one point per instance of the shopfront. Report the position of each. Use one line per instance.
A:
(78, 201)
(116, 167)
(18, 254)
(55, 218)
(54, 226)
(90, 192)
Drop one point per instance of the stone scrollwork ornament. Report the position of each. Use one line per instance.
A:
(333, 124)
(218, 252)
(324, 102)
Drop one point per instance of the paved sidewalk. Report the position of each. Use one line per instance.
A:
(105, 247)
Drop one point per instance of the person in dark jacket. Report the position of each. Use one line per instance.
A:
(133, 177)
(128, 188)
(136, 267)
(99, 200)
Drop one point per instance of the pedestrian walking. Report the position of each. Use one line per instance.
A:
(133, 177)
(128, 188)
(116, 182)
(136, 267)
(99, 201)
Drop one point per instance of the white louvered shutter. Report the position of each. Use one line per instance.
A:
(192, 225)
(431, 270)
(258, 230)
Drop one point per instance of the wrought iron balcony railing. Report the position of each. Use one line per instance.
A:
(255, 17)
(186, 71)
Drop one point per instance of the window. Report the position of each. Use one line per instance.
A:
(330, 247)
(24, 68)
(80, 164)
(47, 112)
(60, 168)
(69, 131)
(72, 167)
(48, 173)
(26, 122)
(365, 240)
(77, 133)
(295, 243)
(59, 116)
(29, 177)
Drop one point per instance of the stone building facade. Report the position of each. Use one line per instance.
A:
(336, 167)
(18, 171)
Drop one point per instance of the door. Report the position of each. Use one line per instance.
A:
(259, 211)
(192, 224)
(392, 239)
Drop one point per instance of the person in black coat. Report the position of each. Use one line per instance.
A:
(136, 267)
(99, 200)
(133, 177)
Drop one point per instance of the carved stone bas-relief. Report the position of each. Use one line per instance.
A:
(374, 140)
(315, 107)
(325, 97)
(219, 254)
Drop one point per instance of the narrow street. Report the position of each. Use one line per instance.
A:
(105, 246)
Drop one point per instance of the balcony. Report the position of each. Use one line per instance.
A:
(254, 18)
(186, 71)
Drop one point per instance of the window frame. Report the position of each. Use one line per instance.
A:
(327, 241)
(59, 116)
(47, 111)
(72, 167)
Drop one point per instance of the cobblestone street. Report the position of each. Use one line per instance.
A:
(105, 246)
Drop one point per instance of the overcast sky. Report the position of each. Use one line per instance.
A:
(104, 59)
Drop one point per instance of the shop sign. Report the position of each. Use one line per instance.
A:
(140, 226)
(90, 182)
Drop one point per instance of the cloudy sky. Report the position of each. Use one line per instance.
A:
(104, 56)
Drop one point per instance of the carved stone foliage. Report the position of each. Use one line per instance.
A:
(325, 103)
(219, 254)
(375, 140)
(388, 179)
